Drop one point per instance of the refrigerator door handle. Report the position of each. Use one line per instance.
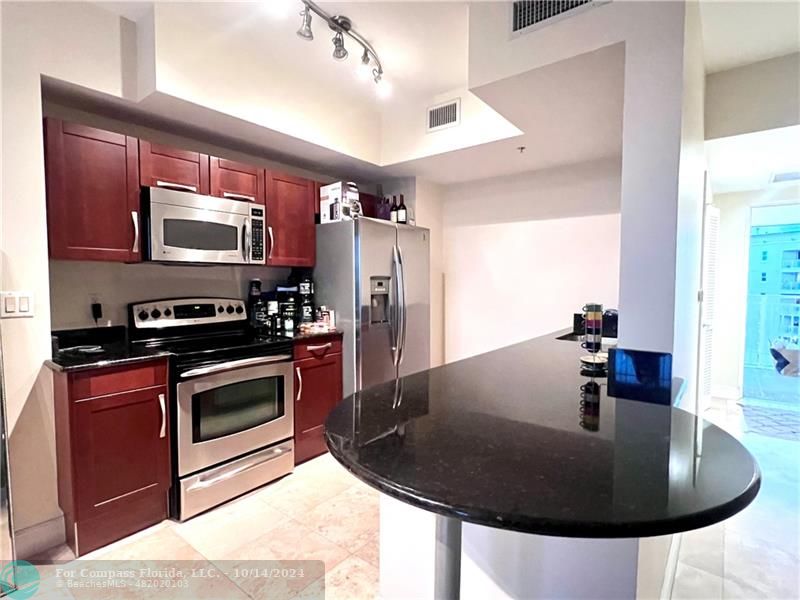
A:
(394, 323)
(401, 335)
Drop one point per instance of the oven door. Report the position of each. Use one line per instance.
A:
(229, 409)
(199, 234)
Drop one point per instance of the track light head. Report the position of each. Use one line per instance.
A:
(339, 51)
(305, 29)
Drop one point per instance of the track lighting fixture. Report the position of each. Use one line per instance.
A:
(339, 51)
(370, 64)
(305, 29)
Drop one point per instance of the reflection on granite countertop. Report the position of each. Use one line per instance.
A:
(111, 355)
(518, 439)
(116, 352)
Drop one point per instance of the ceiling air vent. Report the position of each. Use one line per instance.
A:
(786, 177)
(529, 13)
(447, 114)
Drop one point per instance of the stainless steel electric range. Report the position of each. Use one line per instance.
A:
(231, 408)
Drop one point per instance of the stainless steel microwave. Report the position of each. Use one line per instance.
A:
(190, 228)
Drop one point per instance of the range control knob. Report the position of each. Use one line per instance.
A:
(155, 313)
(143, 315)
(167, 313)
(220, 310)
(229, 310)
(239, 310)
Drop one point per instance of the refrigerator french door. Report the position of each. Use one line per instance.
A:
(375, 275)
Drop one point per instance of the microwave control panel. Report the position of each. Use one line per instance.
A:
(257, 251)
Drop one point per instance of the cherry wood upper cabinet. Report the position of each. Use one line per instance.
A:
(165, 166)
(92, 180)
(237, 181)
(291, 232)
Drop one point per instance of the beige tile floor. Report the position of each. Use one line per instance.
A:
(756, 553)
(319, 512)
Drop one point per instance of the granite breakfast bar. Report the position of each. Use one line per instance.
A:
(498, 481)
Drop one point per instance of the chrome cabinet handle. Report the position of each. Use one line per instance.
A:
(135, 218)
(321, 347)
(227, 366)
(162, 403)
(177, 186)
(233, 196)
(271, 241)
(395, 308)
(300, 380)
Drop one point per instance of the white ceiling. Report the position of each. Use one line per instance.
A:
(747, 162)
(423, 46)
(744, 32)
(570, 113)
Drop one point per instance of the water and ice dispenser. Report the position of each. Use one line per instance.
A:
(379, 300)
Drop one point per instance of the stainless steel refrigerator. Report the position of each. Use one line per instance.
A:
(375, 275)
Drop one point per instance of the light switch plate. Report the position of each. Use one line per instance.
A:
(15, 305)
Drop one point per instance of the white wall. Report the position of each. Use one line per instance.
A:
(653, 35)
(429, 200)
(523, 253)
(756, 97)
(691, 185)
(730, 315)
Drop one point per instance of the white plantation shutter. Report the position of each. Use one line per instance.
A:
(709, 286)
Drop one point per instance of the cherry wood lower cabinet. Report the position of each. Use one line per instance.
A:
(318, 389)
(173, 168)
(112, 445)
(92, 180)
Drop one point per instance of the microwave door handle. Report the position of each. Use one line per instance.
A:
(245, 243)
(271, 241)
(235, 364)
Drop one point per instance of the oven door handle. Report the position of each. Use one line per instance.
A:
(235, 364)
(204, 483)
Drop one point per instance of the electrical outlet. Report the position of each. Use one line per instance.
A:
(15, 305)
(94, 298)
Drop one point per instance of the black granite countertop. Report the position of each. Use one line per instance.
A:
(115, 351)
(505, 439)
(111, 355)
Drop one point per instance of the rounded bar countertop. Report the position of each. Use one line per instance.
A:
(502, 439)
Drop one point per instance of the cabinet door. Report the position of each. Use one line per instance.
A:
(92, 180)
(318, 389)
(165, 166)
(237, 181)
(291, 232)
(121, 452)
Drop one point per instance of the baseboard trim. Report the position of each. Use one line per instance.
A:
(35, 539)
(726, 392)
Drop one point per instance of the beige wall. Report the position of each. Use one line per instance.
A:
(523, 253)
(730, 314)
(82, 44)
(756, 97)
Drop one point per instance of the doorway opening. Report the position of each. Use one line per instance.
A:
(771, 362)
